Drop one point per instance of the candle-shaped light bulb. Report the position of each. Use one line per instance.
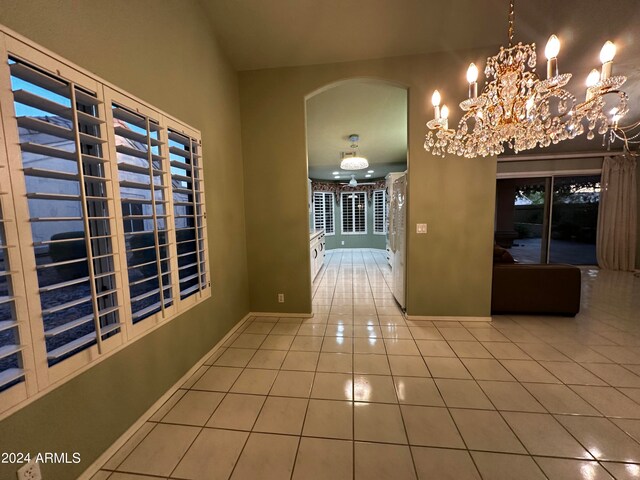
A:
(551, 52)
(592, 79)
(553, 47)
(472, 73)
(607, 54)
(472, 78)
(435, 101)
(445, 117)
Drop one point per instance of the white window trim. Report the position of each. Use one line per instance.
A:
(342, 195)
(376, 212)
(39, 378)
(324, 213)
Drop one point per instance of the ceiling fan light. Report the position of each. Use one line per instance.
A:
(354, 163)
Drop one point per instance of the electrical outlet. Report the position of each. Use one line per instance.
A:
(421, 228)
(342, 242)
(30, 471)
(281, 298)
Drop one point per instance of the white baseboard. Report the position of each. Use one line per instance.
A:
(102, 459)
(435, 318)
(276, 314)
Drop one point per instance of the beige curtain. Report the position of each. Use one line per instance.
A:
(616, 240)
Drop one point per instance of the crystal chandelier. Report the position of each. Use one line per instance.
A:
(519, 109)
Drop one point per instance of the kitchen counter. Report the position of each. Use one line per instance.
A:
(313, 234)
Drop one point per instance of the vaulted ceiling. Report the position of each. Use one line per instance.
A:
(260, 34)
(275, 33)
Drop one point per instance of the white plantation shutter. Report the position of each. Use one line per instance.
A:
(379, 212)
(141, 159)
(189, 211)
(61, 140)
(354, 213)
(11, 365)
(16, 350)
(323, 212)
(102, 220)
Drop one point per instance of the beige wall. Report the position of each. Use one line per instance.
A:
(553, 165)
(455, 196)
(163, 52)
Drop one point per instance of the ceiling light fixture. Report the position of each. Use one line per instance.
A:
(522, 111)
(352, 160)
(369, 171)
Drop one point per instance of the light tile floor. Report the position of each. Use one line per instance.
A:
(357, 391)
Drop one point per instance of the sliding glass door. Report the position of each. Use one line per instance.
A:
(574, 220)
(548, 219)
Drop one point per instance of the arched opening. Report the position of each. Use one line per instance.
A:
(356, 137)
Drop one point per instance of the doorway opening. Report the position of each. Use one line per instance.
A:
(356, 154)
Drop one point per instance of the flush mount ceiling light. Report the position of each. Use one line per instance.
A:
(519, 109)
(352, 160)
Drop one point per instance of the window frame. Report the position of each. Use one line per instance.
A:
(353, 221)
(202, 293)
(40, 378)
(112, 96)
(379, 210)
(326, 197)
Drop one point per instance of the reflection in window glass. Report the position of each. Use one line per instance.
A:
(144, 217)
(50, 126)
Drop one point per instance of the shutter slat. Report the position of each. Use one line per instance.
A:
(71, 346)
(132, 118)
(10, 375)
(32, 100)
(7, 324)
(9, 350)
(68, 326)
(128, 167)
(63, 306)
(135, 136)
(68, 283)
(126, 150)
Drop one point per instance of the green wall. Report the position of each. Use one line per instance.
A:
(454, 195)
(370, 240)
(165, 53)
(638, 214)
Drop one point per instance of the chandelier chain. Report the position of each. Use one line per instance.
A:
(511, 22)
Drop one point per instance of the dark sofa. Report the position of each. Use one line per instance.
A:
(535, 289)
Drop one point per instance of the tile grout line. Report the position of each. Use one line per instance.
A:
(404, 425)
(315, 371)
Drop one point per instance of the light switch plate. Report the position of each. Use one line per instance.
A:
(421, 228)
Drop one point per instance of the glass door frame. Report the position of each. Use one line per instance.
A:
(549, 183)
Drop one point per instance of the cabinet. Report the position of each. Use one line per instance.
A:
(317, 251)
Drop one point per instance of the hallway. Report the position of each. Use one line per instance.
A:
(357, 391)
